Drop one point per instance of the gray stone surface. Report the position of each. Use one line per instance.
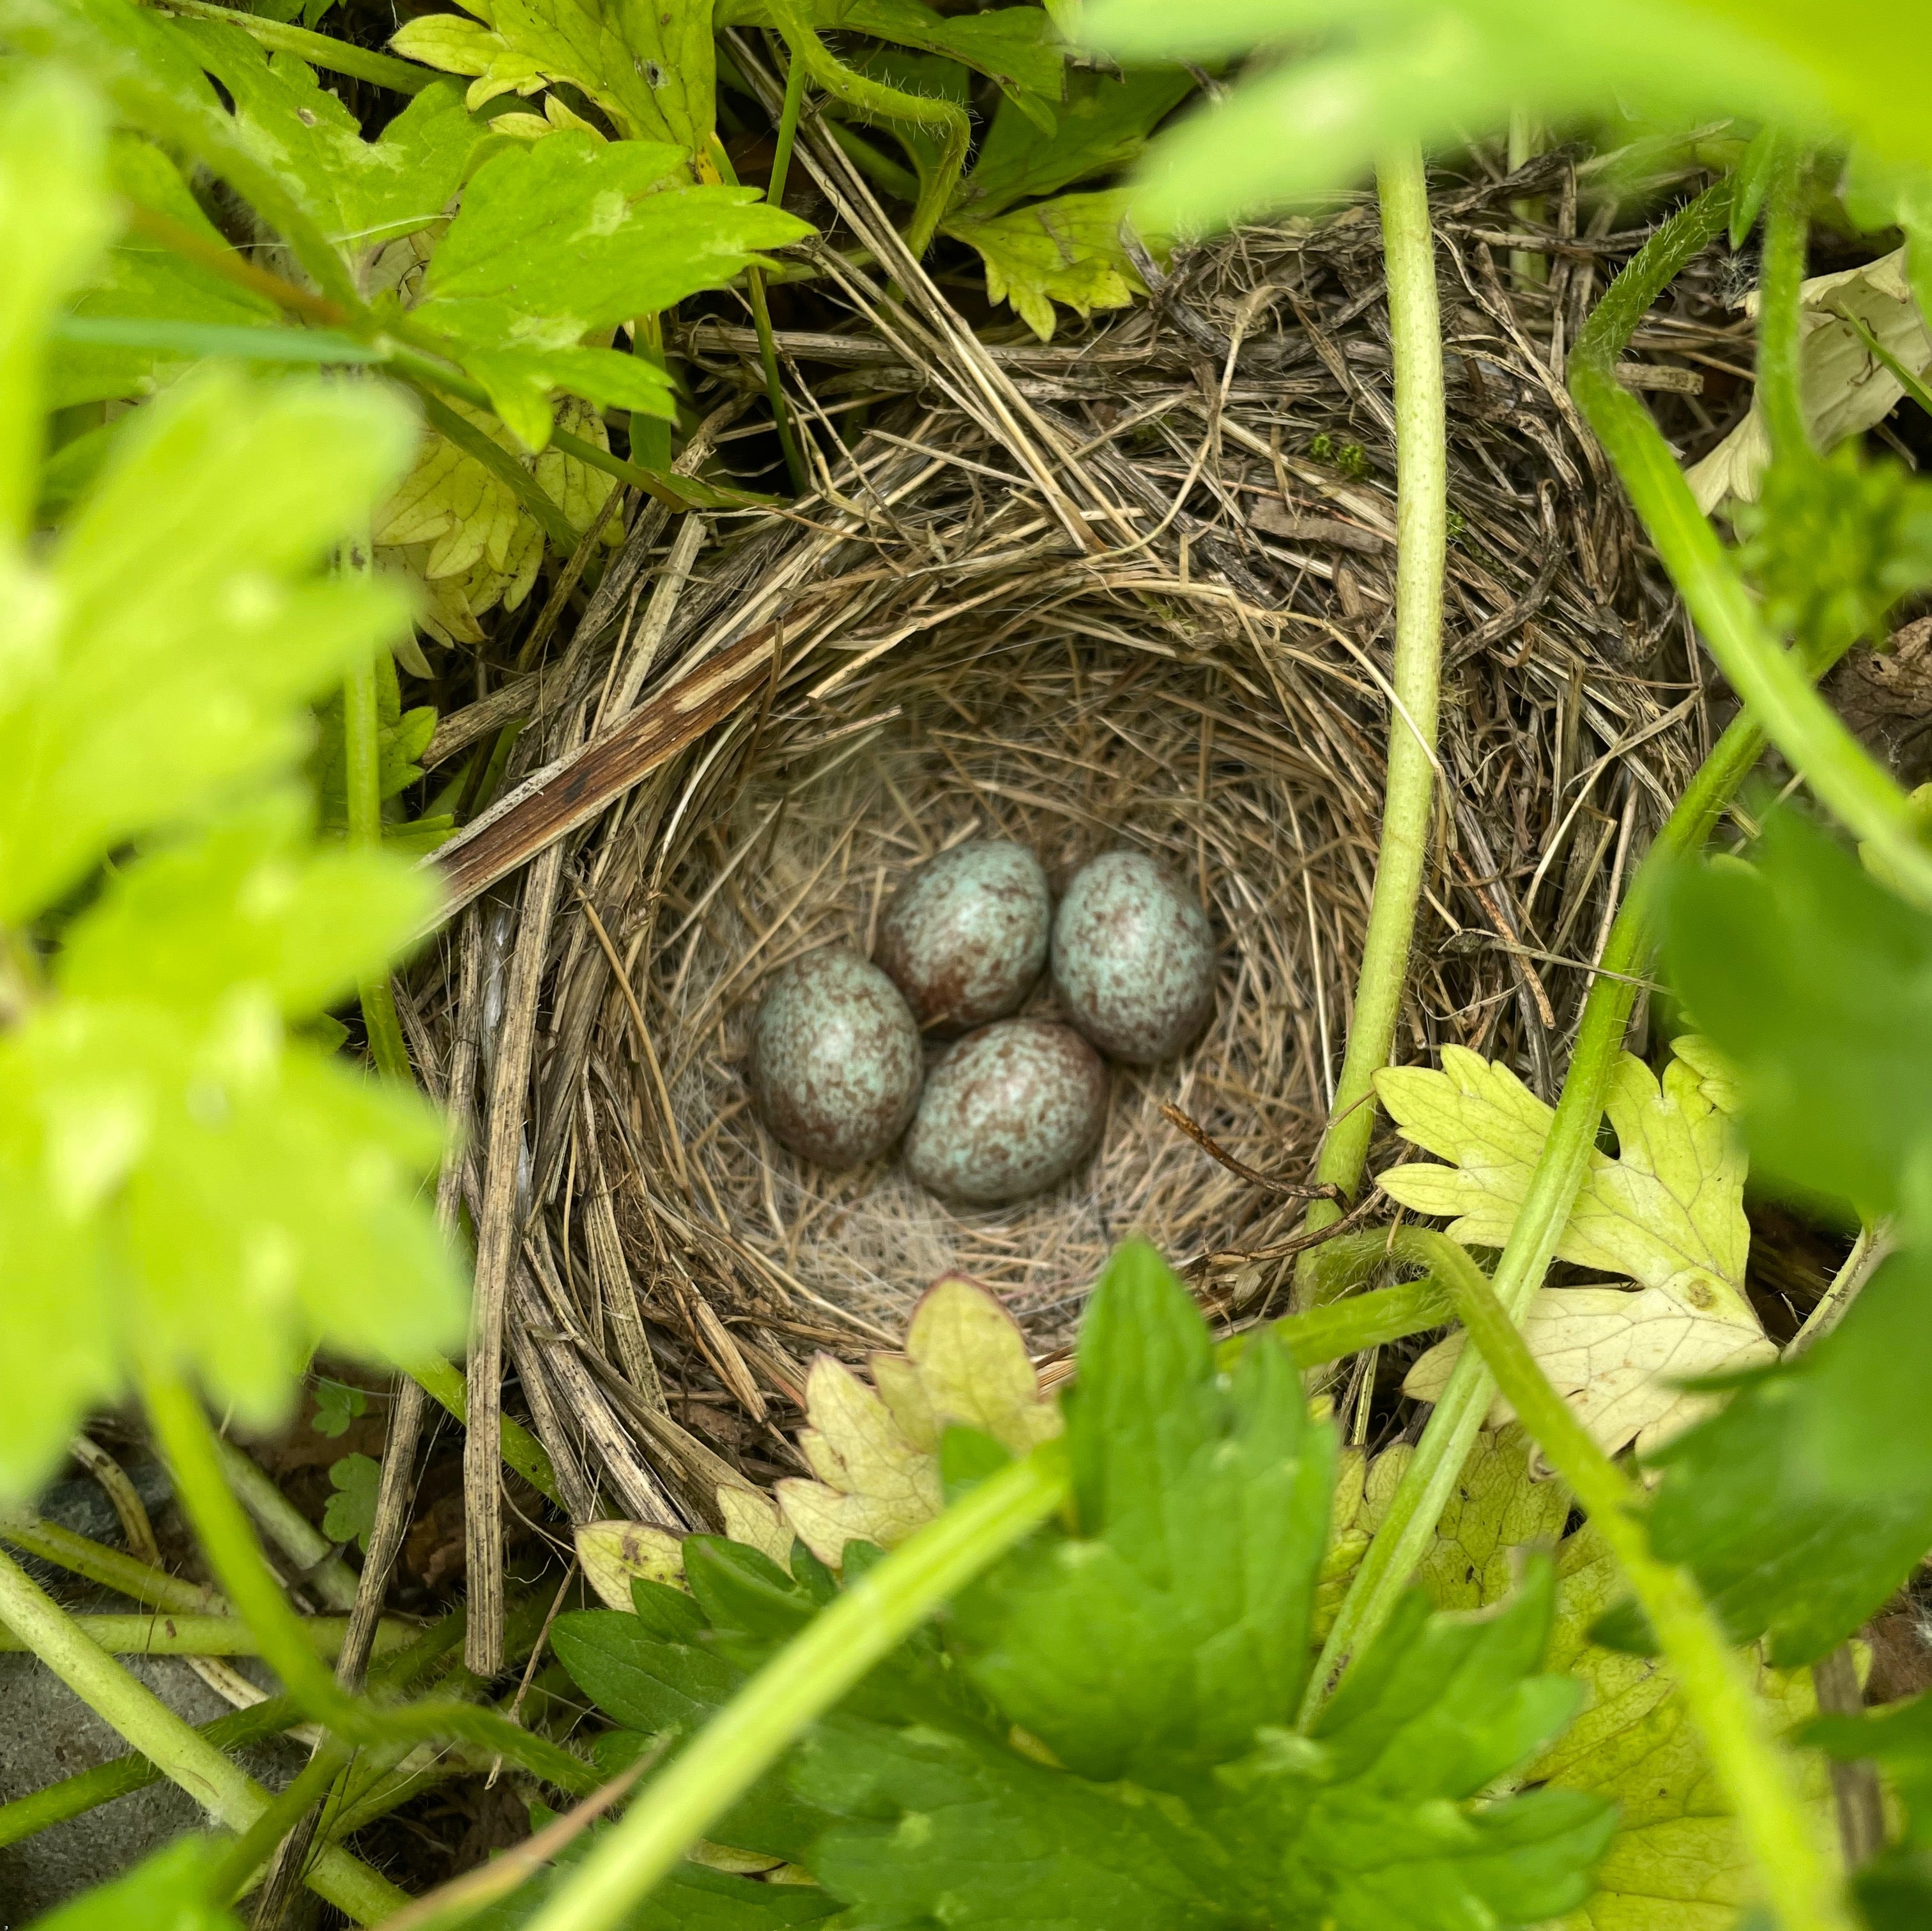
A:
(47, 1733)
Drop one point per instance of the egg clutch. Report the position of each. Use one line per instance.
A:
(1012, 1105)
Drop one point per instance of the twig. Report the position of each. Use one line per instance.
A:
(1321, 1190)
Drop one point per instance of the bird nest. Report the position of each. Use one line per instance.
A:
(1135, 590)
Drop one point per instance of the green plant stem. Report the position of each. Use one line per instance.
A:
(1780, 298)
(1416, 1508)
(125, 1574)
(1417, 1505)
(1773, 683)
(1422, 523)
(288, 1528)
(1751, 1767)
(229, 1796)
(362, 757)
(74, 1796)
(792, 106)
(806, 1678)
(443, 1382)
(768, 347)
(166, 1635)
(1528, 269)
(182, 1431)
(952, 122)
(1339, 1328)
(323, 50)
(256, 1845)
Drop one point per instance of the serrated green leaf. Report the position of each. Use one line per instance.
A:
(246, 905)
(1103, 126)
(139, 280)
(1434, 71)
(1808, 1500)
(1015, 46)
(163, 653)
(335, 1407)
(54, 222)
(1667, 1211)
(349, 1515)
(361, 194)
(648, 64)
(1152, 1646)
(1068, 250)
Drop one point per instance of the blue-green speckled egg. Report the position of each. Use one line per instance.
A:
(835, 1060)
(1133, 958)
(1009, 1111)
(965, 936)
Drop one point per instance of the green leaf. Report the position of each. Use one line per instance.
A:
(1152, 1645)
(1436, 71)
(361, 194)
(567, 239)
(1015, 46)
(139, 282)
(401, 737)
(1816, 984)
(336, 1407)
(173, 631)
(1808, 1500)
(167, 1891)
(1678, 1861)
(1103, 126)
(1667, 1211)
(350, 1515)
(1068, 250)
(54, 222)
(650, 65)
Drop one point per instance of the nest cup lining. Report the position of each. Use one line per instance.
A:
(1071, 745)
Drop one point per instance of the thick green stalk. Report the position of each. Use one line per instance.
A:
(788, 113)
(805, 1679)
(1339, 1328)
(1416, 1506)
(1422, 525)
(182, 1431)
(1773, 683)
(1752, 1768)
(1779, 392)
(323, 1571)
(229, 1796)
(165, 1636)
(1407, 1529)
(125, 1574)
(363, 778)
(768, 347)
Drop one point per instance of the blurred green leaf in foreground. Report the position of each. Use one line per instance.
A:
(182, 1179)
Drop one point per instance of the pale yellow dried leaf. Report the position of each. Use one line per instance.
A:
(1846, 389)
(1667, 1211)
(972, 1362)
(612, 1554)
(1616, 1355)
(753, 1518)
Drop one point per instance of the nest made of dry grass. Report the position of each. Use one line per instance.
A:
(1134, 590)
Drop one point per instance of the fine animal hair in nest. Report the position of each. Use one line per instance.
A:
(1135, 589)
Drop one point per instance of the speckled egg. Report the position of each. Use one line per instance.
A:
(1009, 1111)
(965, 936)
(836, 1066)
(1133, 958)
